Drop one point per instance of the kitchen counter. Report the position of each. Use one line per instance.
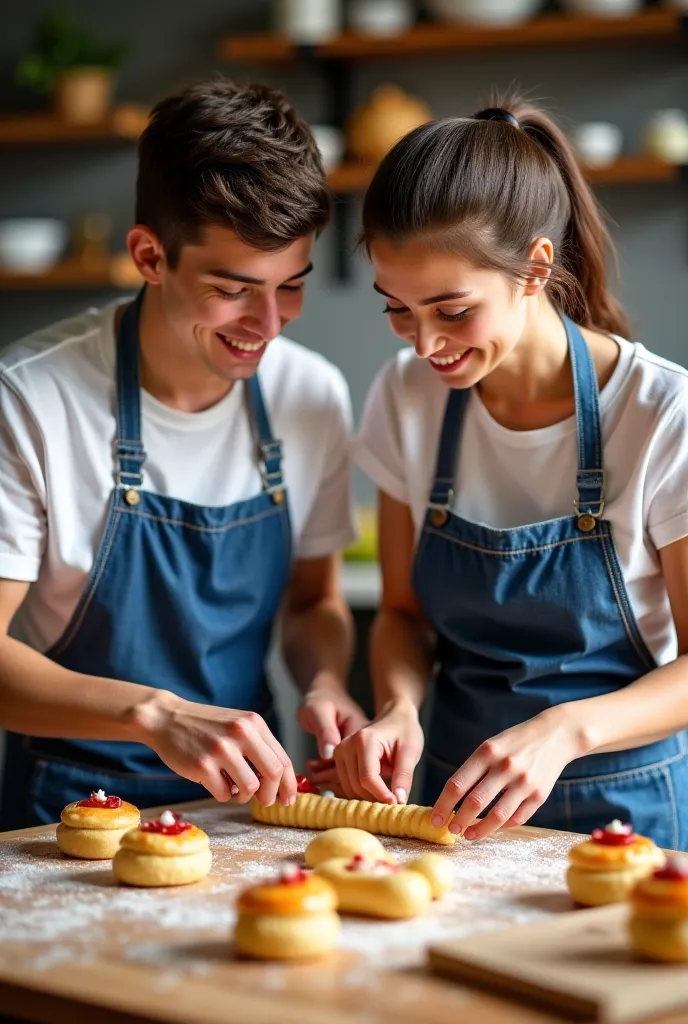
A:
(75, 946)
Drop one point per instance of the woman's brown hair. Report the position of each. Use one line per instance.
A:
(487, 189)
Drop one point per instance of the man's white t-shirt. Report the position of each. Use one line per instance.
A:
(509, 478)
(57, 467)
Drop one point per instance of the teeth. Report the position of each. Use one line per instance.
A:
(244, 346)
(447, 360)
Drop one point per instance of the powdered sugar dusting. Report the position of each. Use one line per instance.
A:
(56, 911)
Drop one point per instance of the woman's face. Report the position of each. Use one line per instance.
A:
(465, 321)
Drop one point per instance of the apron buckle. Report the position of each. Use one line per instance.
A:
(587, 520)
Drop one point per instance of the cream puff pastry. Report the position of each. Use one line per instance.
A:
(344, 842)
(605, 868)
(167, 851)
(293, 917)
(376, 888)
(91, 829)
(436, 868)
(324, 812)
(658, 924)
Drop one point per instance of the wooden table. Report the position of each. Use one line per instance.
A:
(76, 947)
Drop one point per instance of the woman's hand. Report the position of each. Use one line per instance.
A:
(391, 745)
(331, 716)
(232, 753)
(522, 764)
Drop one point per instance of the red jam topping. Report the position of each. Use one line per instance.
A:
(358, 860)
(621, 835)
(291, 874)
(175, 828)
(675, 870)
(304, 785)
(111, 802)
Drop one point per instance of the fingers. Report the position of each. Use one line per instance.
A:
(499, 815)
(214, 779)
(405, 762)
(458, 785)
(478, 800)
(344, 756)
(227, 760)
(368, 764)
(525, 812)
(320, 719)
(252, 741)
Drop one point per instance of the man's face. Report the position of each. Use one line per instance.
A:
(225, 301)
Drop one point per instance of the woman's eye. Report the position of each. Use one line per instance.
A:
(452, 318)
(395, 309)
(231, 295)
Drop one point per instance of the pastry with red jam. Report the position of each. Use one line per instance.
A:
(91, 829)
(658, 923)
(163, 852)
(605, 868)
(291, 917)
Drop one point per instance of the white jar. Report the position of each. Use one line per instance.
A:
(380, 17)
(31, 244)
(308, 21)
(597, 143)
(666, 136)
(330, 142)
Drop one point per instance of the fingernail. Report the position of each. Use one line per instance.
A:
(437, 820)
(400, 794)
(470, 833)
(292, 800)
(328, 751)
(234, 791)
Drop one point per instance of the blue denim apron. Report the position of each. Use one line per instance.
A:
(180, 597)
(536, 616)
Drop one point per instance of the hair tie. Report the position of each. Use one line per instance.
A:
(496, 114)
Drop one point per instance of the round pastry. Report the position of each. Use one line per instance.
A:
(376, 888)
(658, 924)
(167, 851)
(345, 842)
(438, 871)
(293, 917)
(605, 868)
(91, 829)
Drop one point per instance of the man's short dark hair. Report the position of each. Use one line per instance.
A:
(236, 156)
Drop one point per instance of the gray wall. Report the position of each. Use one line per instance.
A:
(176, 40)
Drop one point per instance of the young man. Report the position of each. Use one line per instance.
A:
(161, 500)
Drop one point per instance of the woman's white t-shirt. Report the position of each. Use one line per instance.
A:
(508, 478)
(57, 471)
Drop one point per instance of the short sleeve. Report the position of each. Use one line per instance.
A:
(667, 479)
(23, 526)
(329, 527)
(378, 450)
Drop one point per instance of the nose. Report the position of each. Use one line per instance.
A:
(265, 318)
(428, 342)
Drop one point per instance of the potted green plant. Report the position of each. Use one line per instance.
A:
(67, 61)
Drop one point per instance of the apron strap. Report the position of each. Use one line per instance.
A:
(269, 449)
(130, 452)
(590, 478)
(442, 494)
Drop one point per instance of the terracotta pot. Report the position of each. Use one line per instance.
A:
(388, 115)
(84, 95)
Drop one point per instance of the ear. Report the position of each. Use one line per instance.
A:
(147, 253)
(541, 253)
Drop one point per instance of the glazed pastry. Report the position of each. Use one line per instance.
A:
(605, 868)
(437, 869)
(91, 829)
(290, 918)
(167, 851)
(314, 811)
(344, 842)
(659, 916)
(376, 888)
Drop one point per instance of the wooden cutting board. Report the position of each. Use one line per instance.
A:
(579, 962)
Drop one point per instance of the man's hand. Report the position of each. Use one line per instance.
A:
(331, 716)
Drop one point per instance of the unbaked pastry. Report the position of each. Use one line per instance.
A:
(290, 918)
(436, 867)
(167, 851)
(344, 842)
(376, 888)
(91, 829)
(658, 924)
(605, 868)
(323, 812)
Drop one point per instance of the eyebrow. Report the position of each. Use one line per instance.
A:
(230, 275)
(444, 297)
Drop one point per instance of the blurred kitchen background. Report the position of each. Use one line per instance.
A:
(615, 72)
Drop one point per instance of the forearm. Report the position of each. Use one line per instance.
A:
(401, 654)
(648, 710)
(317, 644)
(40, 698)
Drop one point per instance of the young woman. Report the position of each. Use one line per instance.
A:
(533, 474)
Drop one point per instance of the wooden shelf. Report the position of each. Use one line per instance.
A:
(628, 170)
(124, 124)
(450, 37)
(119, 272)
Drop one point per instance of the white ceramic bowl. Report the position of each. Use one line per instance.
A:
(31, 244)
(597, 143)
(603, 8)
(380, 17)
(330, 142)
(484, 12)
